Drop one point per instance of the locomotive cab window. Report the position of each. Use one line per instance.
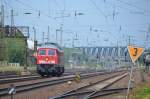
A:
(42, 52)
(51, 52)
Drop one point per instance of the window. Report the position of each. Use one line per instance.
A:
(51, 52)
(42, 52)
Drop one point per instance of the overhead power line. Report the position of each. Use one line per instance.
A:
(24, 4)
(135, 6)
(8, 4)
(57, 4)
(36, 10)
(98, 8)
(130, 9)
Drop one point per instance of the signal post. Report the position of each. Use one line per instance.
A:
(135, 53)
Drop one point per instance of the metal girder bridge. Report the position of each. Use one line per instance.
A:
(105, 51)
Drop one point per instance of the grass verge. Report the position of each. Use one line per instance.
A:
(142, 91)
(11, 69)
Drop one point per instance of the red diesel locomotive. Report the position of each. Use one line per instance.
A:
(50, 60)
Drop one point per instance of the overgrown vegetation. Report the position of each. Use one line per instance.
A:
(12, 69)
(141, 92)
(14, 50)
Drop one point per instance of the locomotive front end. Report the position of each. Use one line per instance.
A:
(47, 57)
(49, 61)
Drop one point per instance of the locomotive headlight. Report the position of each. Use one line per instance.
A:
(46, 59)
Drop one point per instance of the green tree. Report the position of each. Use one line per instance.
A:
(16, 51)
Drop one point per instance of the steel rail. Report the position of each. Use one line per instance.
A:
(90, 93)
(78, 90)
(105, 92)
(19, 79)
(22, 88)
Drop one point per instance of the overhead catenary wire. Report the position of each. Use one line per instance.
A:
(7, 3)
(101, 12)
(33, 9)
(57, 5)
(130, 10)
(134, 6)
(97, 6)
(105, 16)
(144, 11)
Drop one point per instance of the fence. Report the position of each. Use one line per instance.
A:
(5, 63)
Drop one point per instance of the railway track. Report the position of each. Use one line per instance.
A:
(93, 90)
(31, 86)
(9, 76)
(17, 78)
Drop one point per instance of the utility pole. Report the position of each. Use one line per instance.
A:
(43, 37)
(12, 23)
(35, 41)
(2, 19)
(48, 35)
(147, 39)
(61, 36)
(73, 42)
(2, 16)
(12, 18)
(34, 31)
(56, 35)
(118, 54)
(129, 40)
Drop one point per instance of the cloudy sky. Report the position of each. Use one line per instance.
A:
(84, 22)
